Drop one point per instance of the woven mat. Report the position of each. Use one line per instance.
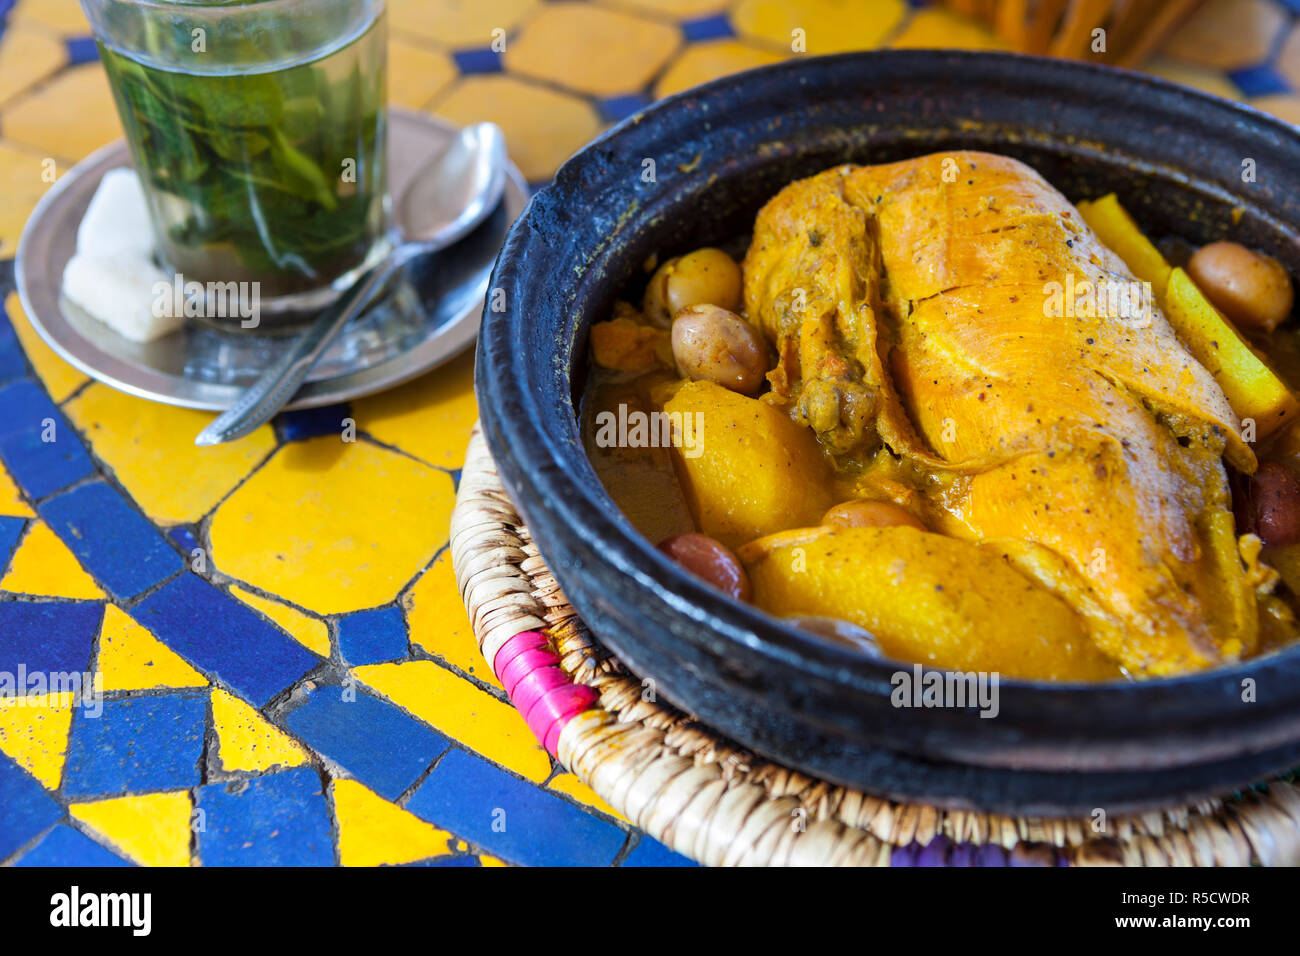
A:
(713, 801)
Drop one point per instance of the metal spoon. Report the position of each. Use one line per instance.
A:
(448, 197)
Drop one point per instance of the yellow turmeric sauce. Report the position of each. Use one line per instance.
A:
(944, 335)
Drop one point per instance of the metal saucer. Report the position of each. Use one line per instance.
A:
(427, 318)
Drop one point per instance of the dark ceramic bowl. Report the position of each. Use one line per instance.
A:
(1176, 159)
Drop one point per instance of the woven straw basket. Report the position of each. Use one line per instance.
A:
(709, 799)
(1133, 28)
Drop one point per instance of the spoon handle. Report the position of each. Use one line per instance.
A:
(280, 382)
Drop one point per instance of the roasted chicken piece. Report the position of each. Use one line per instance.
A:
(941, 306)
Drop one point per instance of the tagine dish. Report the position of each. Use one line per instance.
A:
(935, 411)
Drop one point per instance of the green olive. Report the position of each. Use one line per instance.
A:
(711, 560)
(703, 277)
(1252, 289)
(654, 305)
(712, 344)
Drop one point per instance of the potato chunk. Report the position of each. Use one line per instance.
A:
(927, 598)
(752, 471)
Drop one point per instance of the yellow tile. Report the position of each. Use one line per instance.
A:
(430, 417)
(150, 447)
(34, 732)
(60, 16)
(1227, 34)
(333, 526)
(1288, 58)
(60, 378)
(1285, 107)
(543, 127)
(374, 832)
(130, 658)
(677, 9)
(939, 29)
(12, 504)
(828, 26)
(44, 567)
(438, 623)
(592, 50)
(70, 116)
(312, 633)
(153, 829)
(24, 174)
(456, 707)
(570, 784)
(1207, 80)
(416, 75)
(248, 741)
(486, 860)
(26, 58)
(702, 62)
(457, 24)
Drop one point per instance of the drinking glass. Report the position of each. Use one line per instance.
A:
(258, 129)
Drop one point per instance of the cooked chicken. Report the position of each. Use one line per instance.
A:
(926, 306)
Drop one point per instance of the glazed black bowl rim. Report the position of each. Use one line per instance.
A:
(516, 428)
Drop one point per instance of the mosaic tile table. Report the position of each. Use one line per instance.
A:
(288, 674)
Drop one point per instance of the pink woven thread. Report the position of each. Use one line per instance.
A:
(531, 688)
(511, 648)
(585, 701)
(524, 664)
(540, 690)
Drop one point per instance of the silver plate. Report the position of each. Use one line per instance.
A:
(428, 317)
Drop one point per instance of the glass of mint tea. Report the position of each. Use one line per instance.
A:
(258, 129)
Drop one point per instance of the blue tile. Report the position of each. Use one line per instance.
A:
(64, 846)
(24, 405)
(225, 637)
(11, 529)
(615, 108)
(40, 467)
(485, 60)
(47, 636)
(312, 422)
(137, 744)
(183, 537)
(369, 738)
(708, 28)
(112, 540)
(11, 352)
(650, 852)
(510, 818)
(27, 808)
(1260, 81)
(277, 820)
(1292, 5)
(81, 50)
(369, 637)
